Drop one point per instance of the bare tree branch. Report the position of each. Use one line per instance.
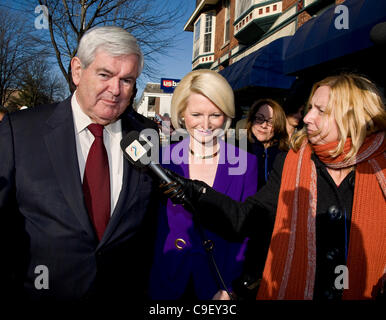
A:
(54, 43)
(151, 22)
(69, 16)
(16, 50)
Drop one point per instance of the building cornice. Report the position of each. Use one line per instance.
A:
(189, 26)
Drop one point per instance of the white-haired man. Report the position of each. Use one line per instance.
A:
(77, 214)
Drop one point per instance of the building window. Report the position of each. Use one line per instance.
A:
(207, 42)
(208, 34)
(197, 30)
(196, 43)
(151, 104)
(226, 20)
(242, 6)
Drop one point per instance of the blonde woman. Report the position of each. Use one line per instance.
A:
(203, 105)
(325, 200)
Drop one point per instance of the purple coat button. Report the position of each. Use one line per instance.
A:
(180, 243)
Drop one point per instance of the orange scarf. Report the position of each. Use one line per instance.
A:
(289, 271)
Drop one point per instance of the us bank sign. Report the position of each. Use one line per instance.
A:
(168, 85)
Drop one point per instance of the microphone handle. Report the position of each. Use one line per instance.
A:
(159, 171)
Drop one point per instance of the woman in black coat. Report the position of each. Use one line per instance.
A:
(323, 203)
(267, 137)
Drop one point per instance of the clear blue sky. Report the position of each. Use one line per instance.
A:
(175, 65)
(179, 61)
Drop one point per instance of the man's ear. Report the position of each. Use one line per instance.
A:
(76, 70)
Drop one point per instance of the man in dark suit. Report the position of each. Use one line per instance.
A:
(67, 233)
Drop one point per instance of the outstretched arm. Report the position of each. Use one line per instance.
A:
(214, 209)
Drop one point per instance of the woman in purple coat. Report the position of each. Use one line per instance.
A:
(202, 106)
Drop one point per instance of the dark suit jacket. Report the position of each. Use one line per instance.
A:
(42, 207)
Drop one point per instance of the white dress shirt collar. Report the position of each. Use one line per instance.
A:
(82, 120)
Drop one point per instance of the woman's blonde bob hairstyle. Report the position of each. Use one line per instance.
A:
(357, 108)
(211, 85)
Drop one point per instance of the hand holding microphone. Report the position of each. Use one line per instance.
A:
(190, 189)
(178, 189)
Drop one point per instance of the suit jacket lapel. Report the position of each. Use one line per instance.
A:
(61, 145)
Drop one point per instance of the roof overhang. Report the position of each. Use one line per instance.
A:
(262, 68)
(189, 26)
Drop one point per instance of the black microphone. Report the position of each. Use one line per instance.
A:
(378, 34)
(137, 150)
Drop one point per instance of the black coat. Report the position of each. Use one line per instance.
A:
(265, 159)
(256, 216)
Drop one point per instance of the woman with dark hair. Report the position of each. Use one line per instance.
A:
(267, 135)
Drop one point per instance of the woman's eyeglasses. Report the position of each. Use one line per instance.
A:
(259, 119)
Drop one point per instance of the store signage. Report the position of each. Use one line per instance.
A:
(168, 85)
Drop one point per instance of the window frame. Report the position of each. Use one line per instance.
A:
(227, 18)
(208, 31)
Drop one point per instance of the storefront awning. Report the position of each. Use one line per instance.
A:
(320, 40)
(263, 68)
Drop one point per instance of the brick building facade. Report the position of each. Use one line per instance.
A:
(250, 24)
(231, 35)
